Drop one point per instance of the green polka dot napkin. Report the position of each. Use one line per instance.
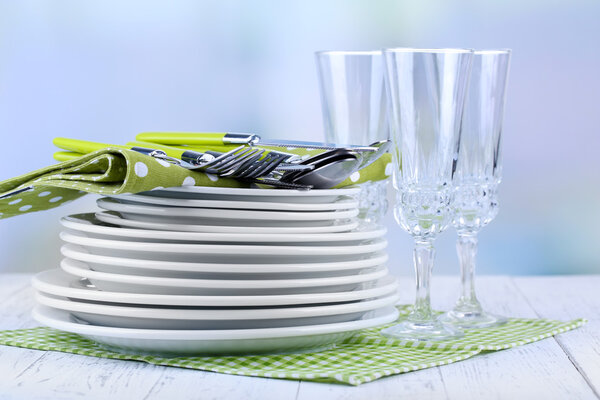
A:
(118, 171)
(362, 358)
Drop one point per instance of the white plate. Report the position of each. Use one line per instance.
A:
(187, 215)
(234, 341)
(223, 253)
(155, 317)
(116, 219)
(343, 203)
(222, 287)
(174, 269)
(90, 225)
(266, 195)
(59, 283)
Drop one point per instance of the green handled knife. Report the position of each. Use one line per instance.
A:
(190, 157)
(226, 138)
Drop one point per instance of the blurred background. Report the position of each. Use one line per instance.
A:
(106, 70)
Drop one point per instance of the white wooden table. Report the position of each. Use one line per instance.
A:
(565, 367)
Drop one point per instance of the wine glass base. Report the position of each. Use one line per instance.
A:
(471, 320)
(422, 331)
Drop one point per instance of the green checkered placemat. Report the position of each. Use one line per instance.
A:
(363, 358)
(119, 171)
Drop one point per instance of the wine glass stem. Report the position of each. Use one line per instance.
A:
(423, 258)
(466, 246)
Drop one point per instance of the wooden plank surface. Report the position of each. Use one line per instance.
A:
(565, 367)
(539, 370)
(570, 298)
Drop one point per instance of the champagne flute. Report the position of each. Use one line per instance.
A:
(426, 88)
(477, 177)
(354, 108)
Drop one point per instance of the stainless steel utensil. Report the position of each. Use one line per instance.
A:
(224, 138)
(329, 172)
(241, 163)
(382, 147)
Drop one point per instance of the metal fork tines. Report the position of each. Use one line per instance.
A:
(231, 162)
(262, 166)
(240, 163)
(251, 167)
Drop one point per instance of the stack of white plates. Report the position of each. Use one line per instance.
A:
(197, 270)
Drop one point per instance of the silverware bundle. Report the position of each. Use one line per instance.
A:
(253, 164)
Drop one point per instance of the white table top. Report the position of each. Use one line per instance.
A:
(564, 367)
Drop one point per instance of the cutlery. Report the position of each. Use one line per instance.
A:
(327, 176)
(284, 166)
(243, 160)
(224, 138)
(329, 172)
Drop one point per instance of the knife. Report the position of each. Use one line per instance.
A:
(85, 146)
(225, 138)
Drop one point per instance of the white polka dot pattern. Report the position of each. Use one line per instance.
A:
(212, 177)
(389, 169)
(140, 169)
(188, 181)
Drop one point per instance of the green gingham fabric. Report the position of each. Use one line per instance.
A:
(362, 358)
(118, 171)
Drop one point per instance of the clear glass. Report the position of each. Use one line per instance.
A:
(478, 174)
(426, 88)
(354, 108)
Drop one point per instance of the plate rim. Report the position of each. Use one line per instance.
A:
(343, 226)
(342, 204)
(66, 265)
(108, 203)
(70, 222)
(73, 248)
(348, 191)
(390, 314)
(376, 244)
(271, 313)
(42, 282)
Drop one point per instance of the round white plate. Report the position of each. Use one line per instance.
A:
(233, 341)
(342, 203)
(154, 317)
(116, 219)
(263, 195)
(174, 269)
(222, 287)
(187, 215)
(92, 227)
(59, 283)
(224, 253)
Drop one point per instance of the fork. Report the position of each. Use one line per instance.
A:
(240, 164)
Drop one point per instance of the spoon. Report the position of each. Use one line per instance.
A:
(314, 160)
(329, 172)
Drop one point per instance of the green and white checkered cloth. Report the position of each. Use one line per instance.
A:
(363, 358)
(119, 171)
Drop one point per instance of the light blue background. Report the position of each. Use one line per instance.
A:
(105, 70)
